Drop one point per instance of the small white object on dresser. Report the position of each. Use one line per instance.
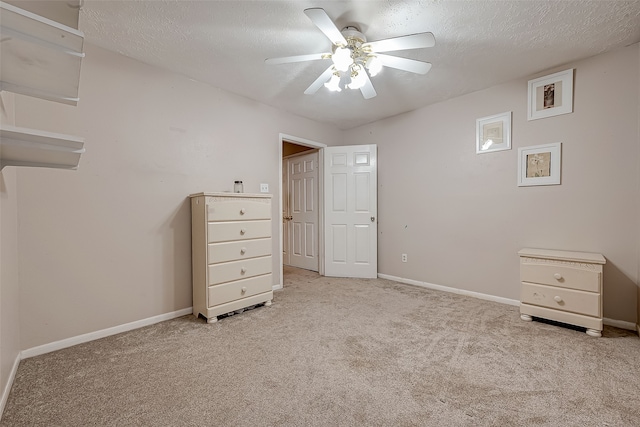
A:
(231, 252)
(562, 286)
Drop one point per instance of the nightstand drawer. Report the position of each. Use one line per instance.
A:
(587, 303)
(236, 270)
(239, 210)
(237, 230)
(561, 275)
(232, 291)
(231, 251)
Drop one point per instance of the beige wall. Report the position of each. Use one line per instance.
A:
(461, 218)
(9, 290)
(110, 243)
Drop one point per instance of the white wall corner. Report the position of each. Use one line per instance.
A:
(427, 285)
(9, 384)
(69, 342)
(609, 322)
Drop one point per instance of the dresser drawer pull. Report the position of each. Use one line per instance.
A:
(243, 250)
(243, 230)
(243, 270)
(242, 211)
(557, 299)
(243, 290)
(558, 276)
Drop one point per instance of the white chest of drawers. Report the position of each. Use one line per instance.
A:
(231, 252)
(562, 286)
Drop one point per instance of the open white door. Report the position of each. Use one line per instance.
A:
(351, 214)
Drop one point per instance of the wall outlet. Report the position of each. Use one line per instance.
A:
(264, 188)
(404, 257)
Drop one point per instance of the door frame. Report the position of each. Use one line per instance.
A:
(285, 160)
(307, 143)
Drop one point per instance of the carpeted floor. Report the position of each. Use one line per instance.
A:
(339, 352)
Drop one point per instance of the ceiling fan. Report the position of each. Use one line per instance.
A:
(353, 56)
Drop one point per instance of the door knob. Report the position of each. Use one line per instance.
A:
(373, 218)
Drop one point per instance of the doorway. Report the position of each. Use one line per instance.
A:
(300, 167)
(300, 208)
(346, 208)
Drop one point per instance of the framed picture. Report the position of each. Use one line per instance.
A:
(493, 133)
(539, 164)
(551, 95)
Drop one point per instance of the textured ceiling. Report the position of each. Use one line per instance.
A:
(478, 44)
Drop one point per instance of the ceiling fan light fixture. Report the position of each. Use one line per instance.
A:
(334, 84)
(358, 78)
(374, 65)
(342, 58)
(355, 59)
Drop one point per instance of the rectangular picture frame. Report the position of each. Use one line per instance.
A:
(493, 133)
(550, 95)
(540, 164)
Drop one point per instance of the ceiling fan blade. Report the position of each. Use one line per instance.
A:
(413, 41)
(368, 90)
(317, 84)
(320, 18)
(297, 58)
(411, 65)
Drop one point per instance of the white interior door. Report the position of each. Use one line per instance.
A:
(350, 211)
(285, 212)
(302, 220)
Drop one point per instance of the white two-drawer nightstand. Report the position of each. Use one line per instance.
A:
(562, 286)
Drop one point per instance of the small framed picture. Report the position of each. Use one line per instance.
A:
(493, 133)
(551, 95)
(539, 165)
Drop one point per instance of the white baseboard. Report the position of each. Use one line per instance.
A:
(68, 342)
(9, 384)
(451, 290)
(609, 322)
(619, 324)
(276, 287)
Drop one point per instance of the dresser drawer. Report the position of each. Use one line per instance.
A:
(230, 251)
(237, 230)
(561, 275)
(236, 270)
(232, 291)
(587, 303)
(239, 210)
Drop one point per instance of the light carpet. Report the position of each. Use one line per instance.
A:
(339, 352)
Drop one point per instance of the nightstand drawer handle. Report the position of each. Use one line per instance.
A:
(558, 276)
(557, 299)
(242, 211)
(243, 270)
(243, 250)
(243, 290)
(243, 230)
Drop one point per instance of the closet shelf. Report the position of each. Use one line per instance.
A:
(40, 57)
(29, 147)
